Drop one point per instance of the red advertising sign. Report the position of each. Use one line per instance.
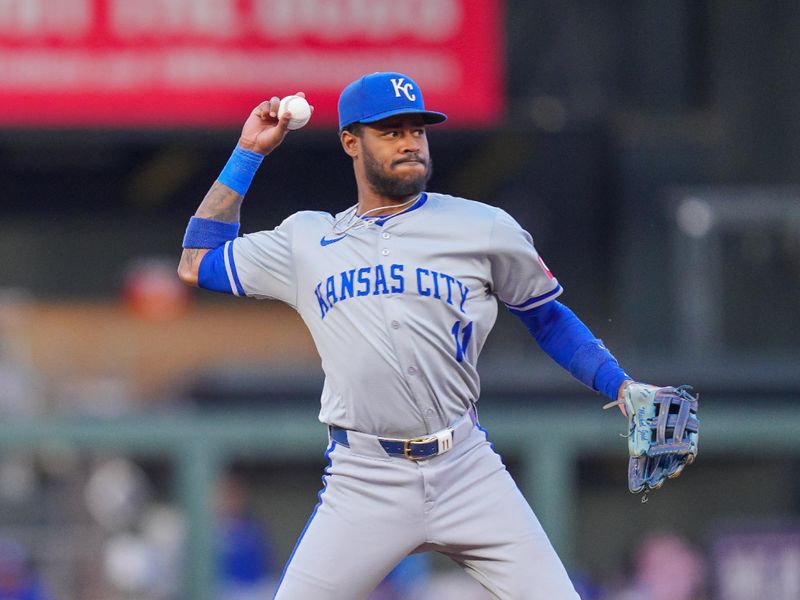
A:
(177, 63)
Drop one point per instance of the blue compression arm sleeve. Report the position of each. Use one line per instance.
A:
(217, 272)
(563, 336)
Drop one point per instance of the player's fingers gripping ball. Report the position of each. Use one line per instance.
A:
(663, 432)
(300, 109)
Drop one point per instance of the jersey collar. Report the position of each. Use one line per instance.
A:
(379, 220)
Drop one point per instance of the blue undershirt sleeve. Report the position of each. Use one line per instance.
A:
(213, 274)
(565, 338)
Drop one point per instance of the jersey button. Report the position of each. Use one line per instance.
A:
(395, 324)
(385, 252)
(386, 235)
(412, 371)
(429, 413)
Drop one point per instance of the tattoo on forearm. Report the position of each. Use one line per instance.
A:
(221, 203)
(190, 262)
(190, 256)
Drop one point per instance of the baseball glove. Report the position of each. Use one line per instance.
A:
(662, 433)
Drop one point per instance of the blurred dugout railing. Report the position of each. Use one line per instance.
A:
(734, 250)
(546, 442)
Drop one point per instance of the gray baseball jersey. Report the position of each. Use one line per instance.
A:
(398, 310)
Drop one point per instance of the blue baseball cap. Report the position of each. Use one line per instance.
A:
(381, 95)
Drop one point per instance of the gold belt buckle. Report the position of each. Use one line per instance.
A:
(443, 439)
(407, 444)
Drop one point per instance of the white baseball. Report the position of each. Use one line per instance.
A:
(297, 105)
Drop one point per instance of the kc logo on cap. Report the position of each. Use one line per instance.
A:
(382, 95)
(405, 88)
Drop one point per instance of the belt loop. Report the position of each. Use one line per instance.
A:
(473, 414)
(338, 435)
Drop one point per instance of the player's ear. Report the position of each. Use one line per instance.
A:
(351, 143)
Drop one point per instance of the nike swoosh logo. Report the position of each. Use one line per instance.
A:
(324, 242)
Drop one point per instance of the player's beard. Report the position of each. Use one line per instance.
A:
(396, 187)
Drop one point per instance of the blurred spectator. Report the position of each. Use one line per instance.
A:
(151, 290)
(20, 398)
(666, 567)
(17, 579)
(246, 562)
(755, 559)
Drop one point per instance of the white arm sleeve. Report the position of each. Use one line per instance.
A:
(520, 278)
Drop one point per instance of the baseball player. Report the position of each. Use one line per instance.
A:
(399, 292)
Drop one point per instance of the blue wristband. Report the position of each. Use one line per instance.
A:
(240, 169)
(208, 233)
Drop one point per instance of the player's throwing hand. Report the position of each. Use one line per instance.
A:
(263, 131)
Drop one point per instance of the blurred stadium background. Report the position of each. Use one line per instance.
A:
(157, 443)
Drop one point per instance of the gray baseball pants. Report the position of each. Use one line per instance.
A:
(375, 509)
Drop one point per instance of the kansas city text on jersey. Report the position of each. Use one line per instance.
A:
(388, 279)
